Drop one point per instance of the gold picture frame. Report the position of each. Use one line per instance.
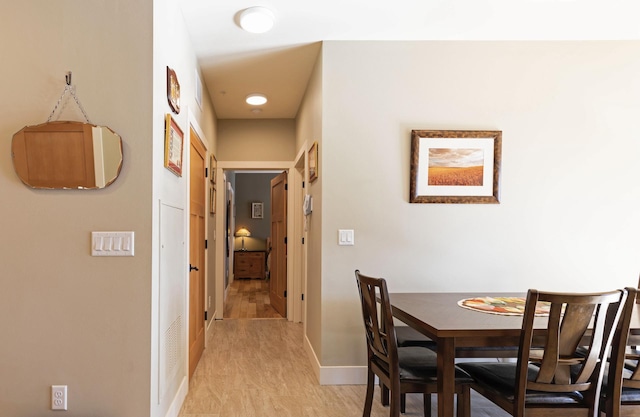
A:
(173, 90)
(213, 164)
(313, 162)
(212, 199)
(173, 145)
(455, 166)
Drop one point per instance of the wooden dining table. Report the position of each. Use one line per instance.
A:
(456, 329)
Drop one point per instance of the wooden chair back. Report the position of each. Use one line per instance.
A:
(624, 368)
(572, 317)
(378, 320)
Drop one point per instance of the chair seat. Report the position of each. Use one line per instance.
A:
(408, 336)
(501, 377)
(628, 395)
(419, 364)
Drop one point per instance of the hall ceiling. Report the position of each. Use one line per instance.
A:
(278, 63)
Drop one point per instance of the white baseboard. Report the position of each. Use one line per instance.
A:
(210, 319)
(176, 404)
(335, 375)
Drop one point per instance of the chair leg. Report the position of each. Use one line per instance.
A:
(368, 399)
(395, 399)
(384, 394)
(464, 402)
(403, 403)
(427, 404)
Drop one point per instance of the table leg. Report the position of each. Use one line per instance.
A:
(446, 376)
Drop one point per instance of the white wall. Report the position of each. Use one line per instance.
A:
(568, 217)
(172, 48)
(69, 318)
(66, 317)
(309, 129)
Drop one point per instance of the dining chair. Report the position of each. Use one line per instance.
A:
(406, 336)
(401, 370)
(551, 377)
(621, 390)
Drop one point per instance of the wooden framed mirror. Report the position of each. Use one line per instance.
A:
(67, 155)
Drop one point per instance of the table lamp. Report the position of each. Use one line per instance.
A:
(243, 232)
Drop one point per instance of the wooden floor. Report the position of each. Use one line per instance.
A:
(258, 368)
(249, 298)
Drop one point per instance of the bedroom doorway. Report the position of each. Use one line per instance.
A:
(247, 288)
(295, 282)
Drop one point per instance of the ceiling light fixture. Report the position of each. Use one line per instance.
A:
(256, 99)
(257, 19)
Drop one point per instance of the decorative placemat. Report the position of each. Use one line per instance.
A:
(506, 306)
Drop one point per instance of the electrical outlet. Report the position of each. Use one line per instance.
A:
(58, 397)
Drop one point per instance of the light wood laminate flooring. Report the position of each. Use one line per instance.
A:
(258, 368)
(249, 298)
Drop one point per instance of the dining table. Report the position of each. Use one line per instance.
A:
(461, 332)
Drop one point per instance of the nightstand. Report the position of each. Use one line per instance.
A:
(249, 264)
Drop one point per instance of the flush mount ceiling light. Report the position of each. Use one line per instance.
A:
(257, 19)
(256, 99)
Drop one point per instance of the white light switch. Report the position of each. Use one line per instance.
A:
(112, 243)
(346, 237)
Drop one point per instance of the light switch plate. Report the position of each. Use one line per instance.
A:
(112, 243)
(346, 237)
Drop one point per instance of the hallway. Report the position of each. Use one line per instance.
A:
(249, 299)
(258, 368)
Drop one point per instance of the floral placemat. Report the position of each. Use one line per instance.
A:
(506, 306)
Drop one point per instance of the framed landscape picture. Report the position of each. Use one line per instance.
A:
(455, 166)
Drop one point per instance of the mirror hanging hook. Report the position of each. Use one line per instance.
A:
(68, 88)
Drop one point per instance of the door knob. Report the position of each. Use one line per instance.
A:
(193, 268)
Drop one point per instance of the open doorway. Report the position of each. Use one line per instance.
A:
(251, 275)
(295, 279)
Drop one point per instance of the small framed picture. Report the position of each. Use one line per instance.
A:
(213, 164)
(173, 90)
(257, 210)
(173, 144)
(212, 199)
(313, 162)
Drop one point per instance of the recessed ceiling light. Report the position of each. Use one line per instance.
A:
(257, 19)
(256, 99)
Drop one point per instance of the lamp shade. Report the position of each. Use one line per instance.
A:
(243, 232)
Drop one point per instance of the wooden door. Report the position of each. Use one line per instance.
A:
(197, 209)
(278, 271)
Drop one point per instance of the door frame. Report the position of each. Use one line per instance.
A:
(196, 144)
(299, 233)
(193, 124)
(294, 281)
